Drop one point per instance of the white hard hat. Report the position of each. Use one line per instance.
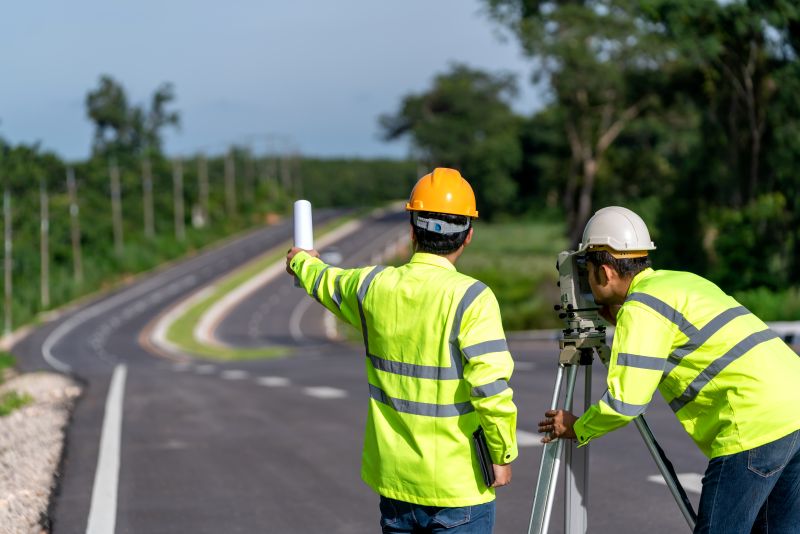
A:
(618, 230)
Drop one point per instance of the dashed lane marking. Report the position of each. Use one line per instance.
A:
(273, 381)
(234, 374)
(205, 369)
(690, 481)
(323, 392)
(528, 439)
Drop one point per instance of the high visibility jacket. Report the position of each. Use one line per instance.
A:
(732, 382)
(438, 367)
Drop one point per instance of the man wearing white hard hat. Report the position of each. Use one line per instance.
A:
(732, 383)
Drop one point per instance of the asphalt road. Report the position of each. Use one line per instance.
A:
(274, 446)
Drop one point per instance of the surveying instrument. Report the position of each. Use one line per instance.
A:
(584, 335)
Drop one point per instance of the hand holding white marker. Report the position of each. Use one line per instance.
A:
(303, 228)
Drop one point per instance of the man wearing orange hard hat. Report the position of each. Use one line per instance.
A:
(441, 426)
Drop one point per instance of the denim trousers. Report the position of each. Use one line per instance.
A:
(404, 517)
(755, 491)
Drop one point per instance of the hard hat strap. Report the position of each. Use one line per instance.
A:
(438, 227)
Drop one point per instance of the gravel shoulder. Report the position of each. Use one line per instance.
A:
(31, 444)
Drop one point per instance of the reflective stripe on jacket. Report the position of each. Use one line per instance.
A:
(438, 367)
(732, 382)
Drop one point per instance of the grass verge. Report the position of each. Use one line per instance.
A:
(12, 400)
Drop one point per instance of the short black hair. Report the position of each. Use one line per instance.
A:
(625, 267)
(441, 244)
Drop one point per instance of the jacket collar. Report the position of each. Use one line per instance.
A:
(432, 259)
(638, 278)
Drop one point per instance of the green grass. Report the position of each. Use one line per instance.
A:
(517, 260)
(771, 305)
(12, 401)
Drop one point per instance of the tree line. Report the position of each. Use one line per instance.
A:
(687, 111)
(75, 227)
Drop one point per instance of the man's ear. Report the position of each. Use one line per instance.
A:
(607, 274)
(468, 239)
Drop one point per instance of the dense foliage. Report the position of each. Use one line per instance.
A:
(687, 111)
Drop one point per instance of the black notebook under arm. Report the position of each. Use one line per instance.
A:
(484, 458)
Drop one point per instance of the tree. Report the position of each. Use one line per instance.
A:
(745, 56)
(124, 129)
(601, 60)
(465, 121)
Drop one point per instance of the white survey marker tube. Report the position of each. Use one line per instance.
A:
(303, 228)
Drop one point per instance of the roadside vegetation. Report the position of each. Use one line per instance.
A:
(11, 400)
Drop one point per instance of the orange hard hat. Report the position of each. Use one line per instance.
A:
(443, 191)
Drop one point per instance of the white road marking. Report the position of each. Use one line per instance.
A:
(323, 392)
(690, 481)
(159, 332)
(205, 330)
(100, 308)
(234, 374)
(273, 381)
(296, 317)
(528, 439)
(182, 366)
(205, 369)
(331, 328)
(103, 510)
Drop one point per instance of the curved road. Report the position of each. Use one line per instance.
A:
(274, 445)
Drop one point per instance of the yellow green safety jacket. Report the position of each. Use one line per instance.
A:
(731, 381)
(438, 367)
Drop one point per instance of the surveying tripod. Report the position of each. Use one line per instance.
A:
(578, 346)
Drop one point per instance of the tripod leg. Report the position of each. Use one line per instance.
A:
(576, 491)
(551, 457)
(667, 471)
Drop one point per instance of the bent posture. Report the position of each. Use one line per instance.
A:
(437, 365)
(733, 384)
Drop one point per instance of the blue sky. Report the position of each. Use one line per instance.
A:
(310, 76)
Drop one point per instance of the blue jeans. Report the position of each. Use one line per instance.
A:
(399, 517)
(754, 491)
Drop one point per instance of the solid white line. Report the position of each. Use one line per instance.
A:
(690, 481)
(103, 510)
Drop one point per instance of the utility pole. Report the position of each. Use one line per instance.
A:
(249, 177)
(202, 186)
(44, 244)
(230, 184)
(116, 208)
(177, 186)
(147, 196)
(7, 260)
(75, 227)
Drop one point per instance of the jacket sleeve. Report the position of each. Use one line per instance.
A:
(487, 369)
(334, 288)
(642, 343)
